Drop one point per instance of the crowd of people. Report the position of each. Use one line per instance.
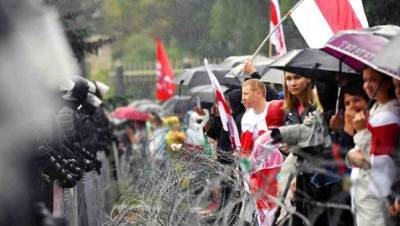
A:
(316, 156)
(301, 152)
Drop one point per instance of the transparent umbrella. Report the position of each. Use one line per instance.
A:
(234, 61)
(205, 93)
(177, 105)
(198, 76)
(261, 64)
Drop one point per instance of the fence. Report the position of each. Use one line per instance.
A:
(91, 200)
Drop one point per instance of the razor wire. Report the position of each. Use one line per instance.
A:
(180, 191)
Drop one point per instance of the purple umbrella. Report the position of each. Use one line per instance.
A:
(358, 48)
(388, 59)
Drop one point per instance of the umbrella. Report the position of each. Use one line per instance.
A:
(358, 48)
(388, 58)
(129, 112)
(272, 76)
(198, 76)
(137, 103)
(312, 63)
(176, 105)
(321, 67)
(234, 61)
(261, 64)
(149, 107)
(205, 93)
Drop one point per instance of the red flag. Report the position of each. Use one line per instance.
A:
(165, 75)
(277, 39)
(319, 20)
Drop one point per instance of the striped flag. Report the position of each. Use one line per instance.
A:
(318, 20)
(384, 126)
(224, 109)
(277, 38)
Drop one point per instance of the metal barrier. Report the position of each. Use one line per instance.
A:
(90, 201)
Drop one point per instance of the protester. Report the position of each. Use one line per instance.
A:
(395, 207)
(271, 93)
(354, 100)
(259, 116)
(175, 138)
(396, 83)
(372, 158)
(215, 130)
(254, 121)
(306, 149)
(156, 144)
(195, 134)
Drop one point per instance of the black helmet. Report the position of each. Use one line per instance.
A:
(79, 91)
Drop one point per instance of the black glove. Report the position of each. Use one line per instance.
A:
(276, 136)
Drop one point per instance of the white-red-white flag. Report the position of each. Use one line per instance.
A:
(165, 87)
(277, 38)
(385, 128)
(225, 111)
(319, 20)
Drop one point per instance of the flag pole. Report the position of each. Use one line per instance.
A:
(270, 49)
(272, 31)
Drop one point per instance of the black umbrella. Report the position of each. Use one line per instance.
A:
(312, 63)
(320, 66)
(177, 105)
(198, 76)
(388, 59)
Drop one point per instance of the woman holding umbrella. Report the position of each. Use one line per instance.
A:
(372, 158)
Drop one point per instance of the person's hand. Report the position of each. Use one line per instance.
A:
(284, 148)
(349, 116)
(360, 120)
(249, 68)
(293, 185)
(199, 111)
(214, 110)
(336, 123)
(394, 209)
(236, 153)
(131, 135)
(357, 159)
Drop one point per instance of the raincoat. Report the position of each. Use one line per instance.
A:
(265, 159)
(195, 133)
(308, 139)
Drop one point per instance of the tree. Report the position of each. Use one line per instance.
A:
(385, 12)
(236, 27)
(78, 18)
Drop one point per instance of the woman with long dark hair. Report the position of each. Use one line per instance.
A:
(376, 149)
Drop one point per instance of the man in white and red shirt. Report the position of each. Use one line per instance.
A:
(258, 118)
(260, 114)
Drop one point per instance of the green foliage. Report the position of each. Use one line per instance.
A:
(102, 75)
(382, 12)
(188, 28)
(140, 47)
(235, 27)
(78, 19)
